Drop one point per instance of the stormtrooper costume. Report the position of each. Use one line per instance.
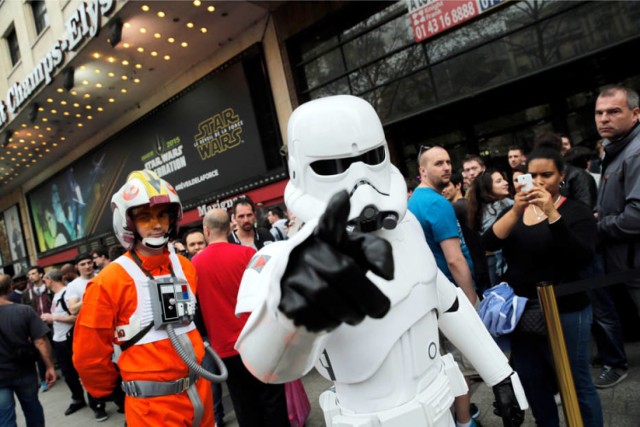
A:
(357, 292)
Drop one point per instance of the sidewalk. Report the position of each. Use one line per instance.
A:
(620, 404)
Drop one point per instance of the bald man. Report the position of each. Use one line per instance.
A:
(220, 267)
(445, 239)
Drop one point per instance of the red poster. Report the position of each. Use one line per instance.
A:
(440, 15)
(430, 17)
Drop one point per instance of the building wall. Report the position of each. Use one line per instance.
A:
(33, 48)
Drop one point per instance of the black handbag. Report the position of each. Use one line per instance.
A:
(532, 320)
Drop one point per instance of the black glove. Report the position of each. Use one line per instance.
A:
(325, 284)
(506, 404)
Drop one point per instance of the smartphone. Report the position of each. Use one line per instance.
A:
(526, 181)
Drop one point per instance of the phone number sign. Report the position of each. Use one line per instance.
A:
(430, 17)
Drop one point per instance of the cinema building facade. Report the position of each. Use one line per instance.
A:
(201, 92)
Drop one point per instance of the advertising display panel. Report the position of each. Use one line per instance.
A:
(13, 252)
(202, 140)
(431, 17)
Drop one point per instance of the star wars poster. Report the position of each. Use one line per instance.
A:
(202, 140)
(14, 234)
(5, 252)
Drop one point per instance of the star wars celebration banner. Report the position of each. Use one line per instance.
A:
(202, 140)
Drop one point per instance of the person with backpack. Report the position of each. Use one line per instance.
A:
(63, 321)
(278, 222)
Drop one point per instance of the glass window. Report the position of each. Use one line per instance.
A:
(482, 67)
(402, 97)
(387, 69)
(312, 48)
(378, 59)
(452, 140)
(502, 121)
(377, 18)
(39, 15)
(465, 38)
(390, 37)
(14, 48)
(338, 87)
(324, 68)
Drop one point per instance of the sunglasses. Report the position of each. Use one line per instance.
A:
(424, 148)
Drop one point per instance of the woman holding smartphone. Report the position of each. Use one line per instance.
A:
(547, 237)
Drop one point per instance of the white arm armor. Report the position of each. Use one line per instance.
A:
(271, 346)
(466, 331)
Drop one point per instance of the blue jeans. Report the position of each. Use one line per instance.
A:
(26, 389)
(532, 360)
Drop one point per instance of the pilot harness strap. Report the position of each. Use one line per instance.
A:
(162, 388)
(158, 388)
(137, 337)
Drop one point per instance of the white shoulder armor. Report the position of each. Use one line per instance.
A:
(271, 346)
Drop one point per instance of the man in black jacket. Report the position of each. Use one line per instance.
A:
(616, 116)
(244, 215)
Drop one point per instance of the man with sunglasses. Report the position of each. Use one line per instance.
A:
(444, 236)
(438, 219)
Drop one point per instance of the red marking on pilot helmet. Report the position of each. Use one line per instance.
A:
(131, 192)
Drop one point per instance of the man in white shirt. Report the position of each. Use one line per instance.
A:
(63, 322)
(76, 288)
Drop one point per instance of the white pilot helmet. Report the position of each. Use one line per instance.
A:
(143, 187)
(337, 143)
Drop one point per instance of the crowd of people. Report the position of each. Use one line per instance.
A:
(570, 225)
(577, 217)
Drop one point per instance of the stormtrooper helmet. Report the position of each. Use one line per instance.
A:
(143, 187)
(337, 143)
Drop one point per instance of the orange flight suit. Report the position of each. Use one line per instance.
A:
(109, 301)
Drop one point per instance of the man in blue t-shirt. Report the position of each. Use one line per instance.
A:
(444, 236)
(438, 220)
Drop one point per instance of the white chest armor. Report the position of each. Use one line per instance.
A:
(143, 315)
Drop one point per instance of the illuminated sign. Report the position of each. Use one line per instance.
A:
(83, 23)
(215, 116)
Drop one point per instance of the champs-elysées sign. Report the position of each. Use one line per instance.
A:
(84, 23)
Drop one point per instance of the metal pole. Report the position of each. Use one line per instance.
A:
(547, 297)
